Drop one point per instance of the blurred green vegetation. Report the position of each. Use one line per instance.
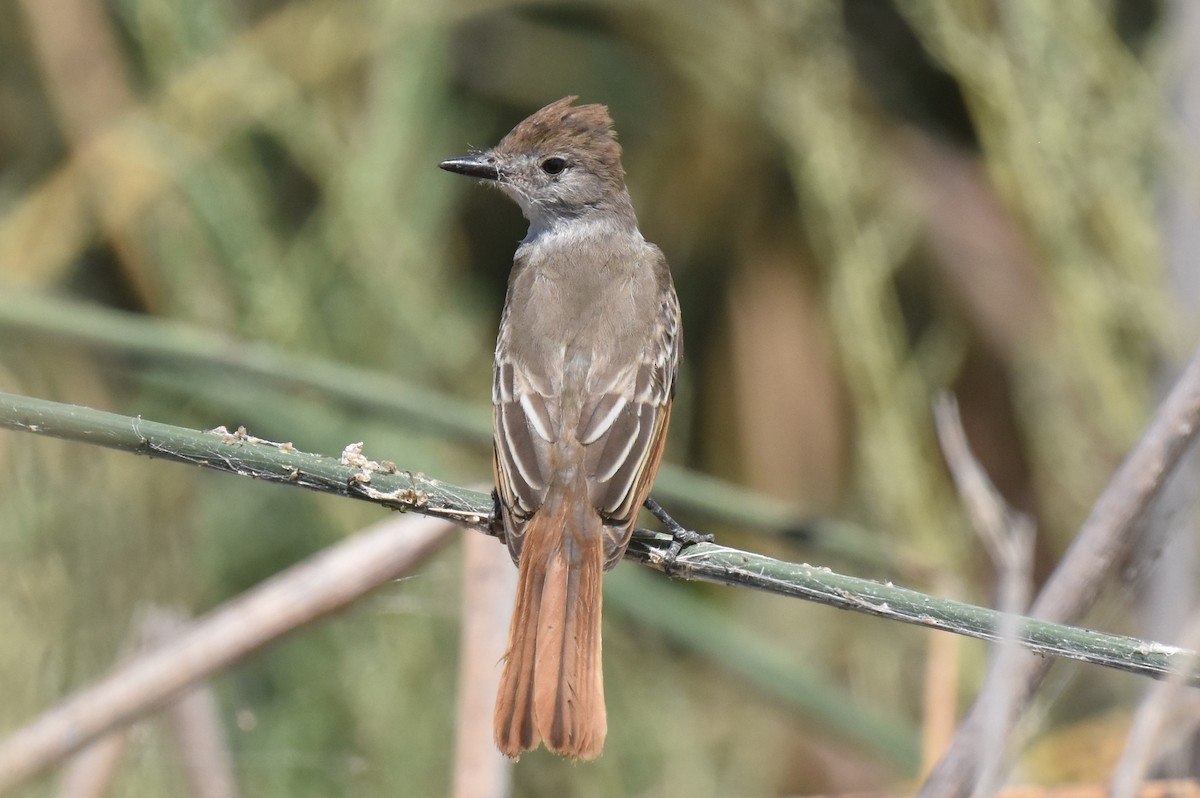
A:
(864, 204)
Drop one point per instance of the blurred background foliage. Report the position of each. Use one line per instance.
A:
(865, 203)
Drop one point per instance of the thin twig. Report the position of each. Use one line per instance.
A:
(322, 584)
(1008, 538)
(355, 476)
(1104, 542)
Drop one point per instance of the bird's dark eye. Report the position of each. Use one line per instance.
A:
(553, 166)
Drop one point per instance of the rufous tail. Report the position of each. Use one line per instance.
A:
(552, 689)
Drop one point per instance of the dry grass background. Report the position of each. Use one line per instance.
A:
(864, 204)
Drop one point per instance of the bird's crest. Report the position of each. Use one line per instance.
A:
(561, 127)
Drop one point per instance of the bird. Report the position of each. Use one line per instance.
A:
(585, 368)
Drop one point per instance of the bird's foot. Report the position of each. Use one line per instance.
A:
(680, 537)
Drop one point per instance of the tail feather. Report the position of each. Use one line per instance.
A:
(552, 688)
(514, 728)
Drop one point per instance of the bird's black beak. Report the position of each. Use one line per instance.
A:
(482, 166)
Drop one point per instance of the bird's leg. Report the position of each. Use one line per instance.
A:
(496, 521)
(680, 537)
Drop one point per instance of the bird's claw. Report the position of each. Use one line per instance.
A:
(680, 537)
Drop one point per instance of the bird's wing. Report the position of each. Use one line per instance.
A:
(623, 427)
(524, 423)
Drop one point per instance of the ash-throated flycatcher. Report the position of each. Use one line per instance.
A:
(585, 368)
